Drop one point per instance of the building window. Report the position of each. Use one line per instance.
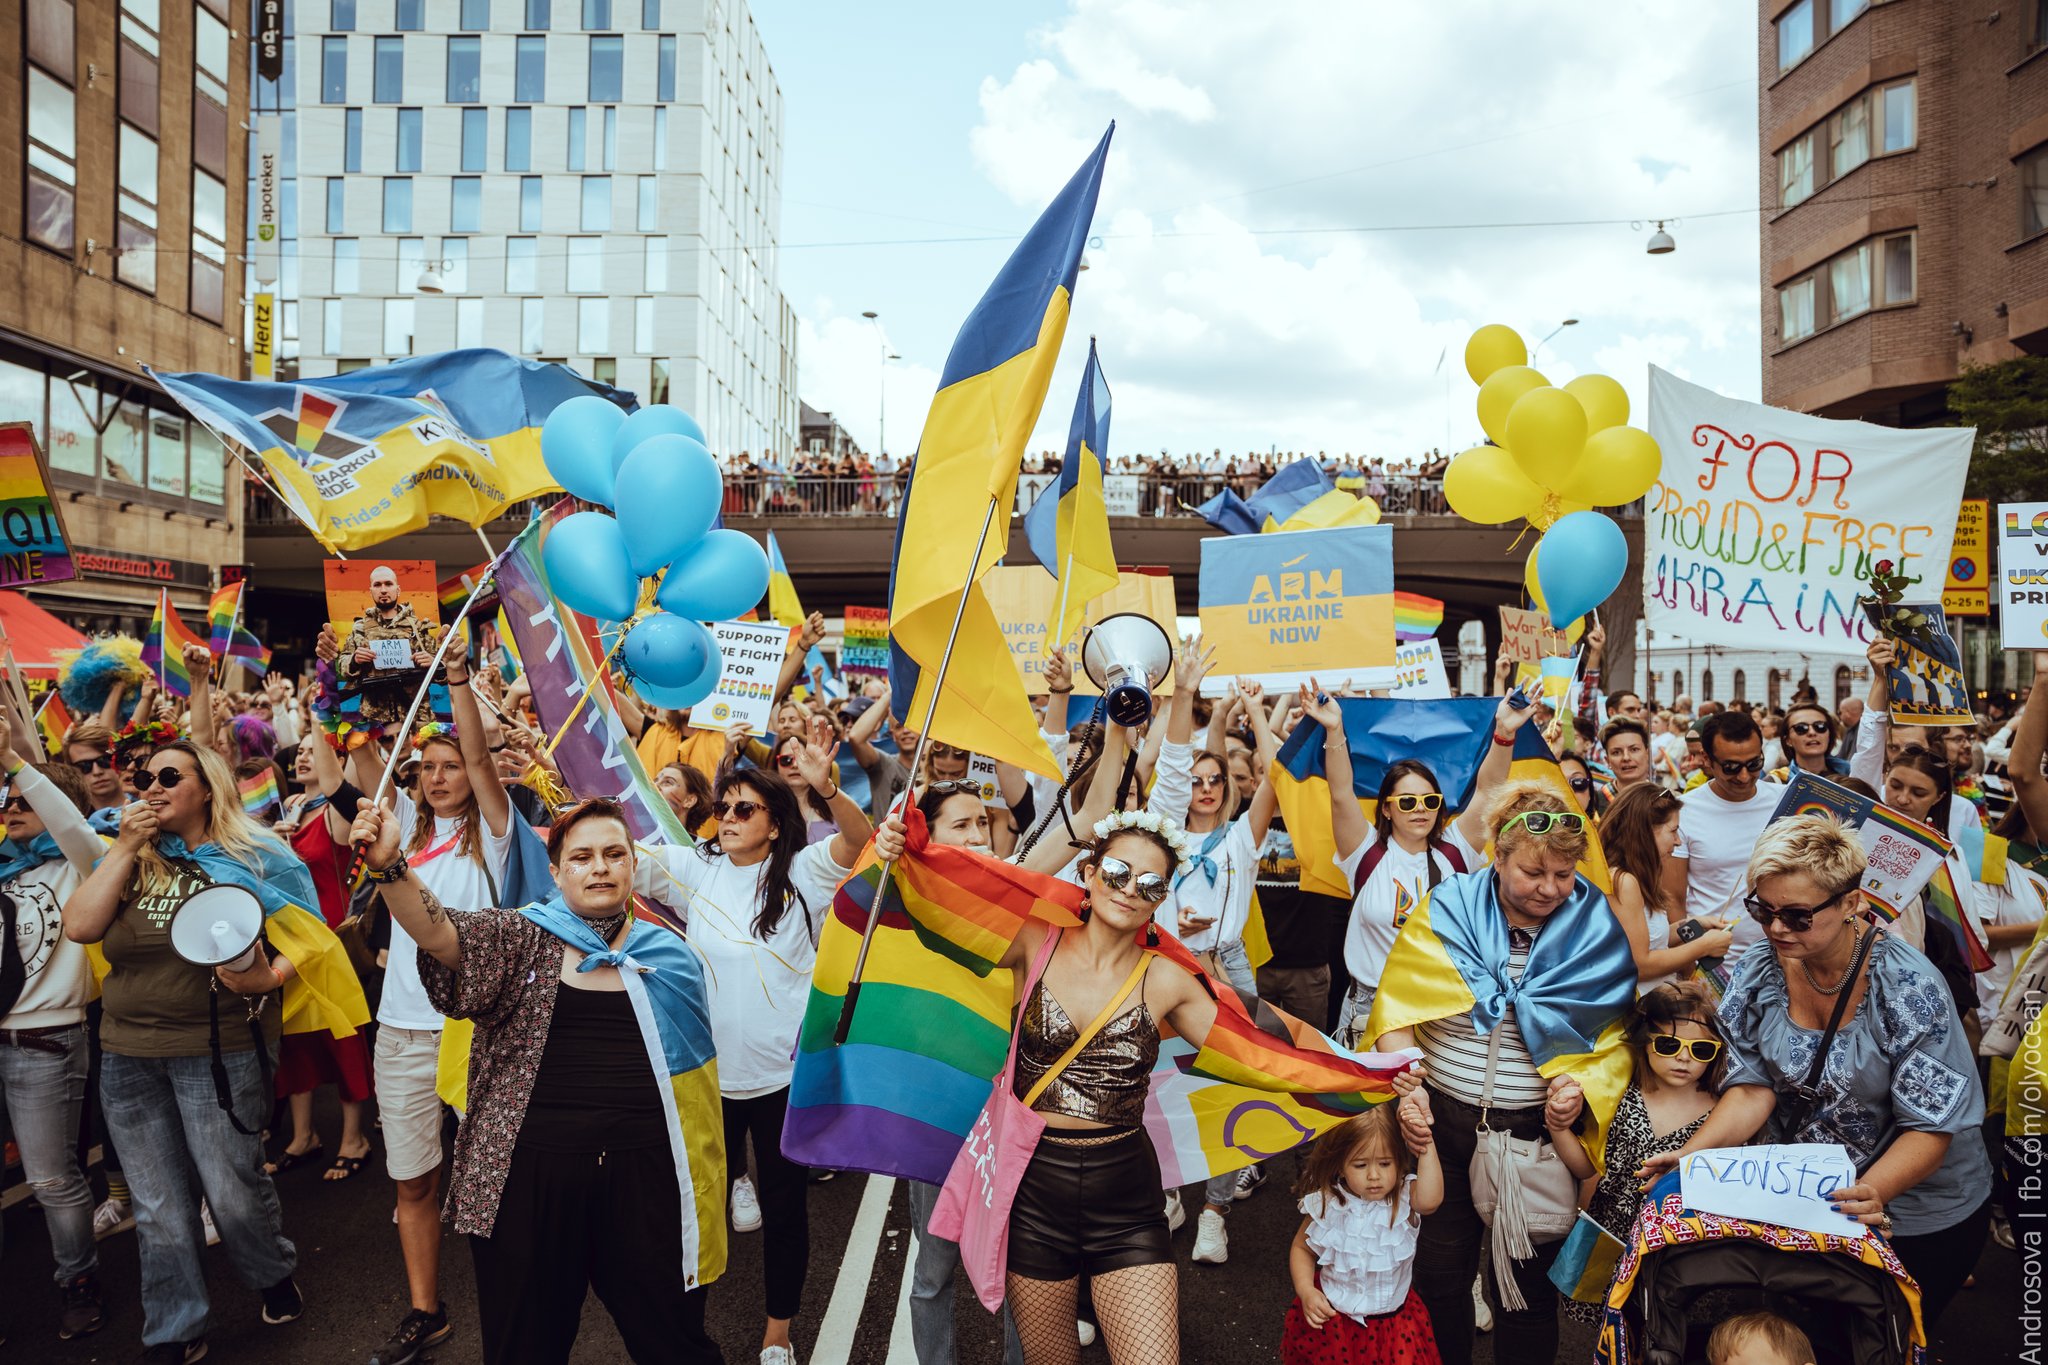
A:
(397, 204)
(1795, 171)
(1878, 273)
(1741, 685)
(454, 265)
(597, 203)
(476, 15)
(529, 203)
(532, 317)
(389, 71)
(1795, 34)
(650, 13)
(334, 70)
(661, 139)
(610, 160)
(398, 326)
(2034, 192)
(519, 139)
(1899, 284)
(604, 369)
(586, 265)
(607, 69)
(1849, 283)
(1677, 684)
(337, 204)
(465, 70)
(412, 263)
(579, 138)
(210, 59)
(1706, 684)
(409, 140)
(530, 70)
(209, 245)
(537, 13)
(665, 69)
(348, 269)
(1901, 116)
(1795, 310)
(643, 326)
(341, 16)
(1844, 682)
(469, 323)
(476, 139)
(352, 141)
(1880, 121)
(597, 14)
(330, 327)
(1849, 137)
(1774, 686)
(657, 265)
(411, 16)
(521, 274)
(52, 158)
(593, 326)
(166, 453)
(466, 204)
(649, 217)
(136, 155)
(1840, 12)
(657, 383)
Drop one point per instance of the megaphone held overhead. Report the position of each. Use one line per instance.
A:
(1127, 655)
(218, 927)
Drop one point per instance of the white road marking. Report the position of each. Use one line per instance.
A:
(856, 1268)
(902, 1351)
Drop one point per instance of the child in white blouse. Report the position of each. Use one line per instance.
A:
(1363, 1195)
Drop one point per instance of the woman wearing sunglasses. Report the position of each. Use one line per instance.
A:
(755, 899)
(1578, 775)
(818, 822)
(1897, 1082)
(1810, 736)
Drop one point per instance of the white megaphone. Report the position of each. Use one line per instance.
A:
(1127, 655)
(218, 927)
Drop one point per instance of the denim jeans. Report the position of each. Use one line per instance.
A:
(931, 1289)
(41, 1094)
(178, 1145)
(1357, 1009)
(1221, 1190)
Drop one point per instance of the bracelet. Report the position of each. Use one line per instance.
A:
(15, 765)
(462, 681)
(385, 876)
(1060, 691)
(832, 795)
(1505, 742)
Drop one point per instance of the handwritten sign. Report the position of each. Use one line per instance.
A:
(33, 547)
(1526, 637)
(1789, 1184)
(864, 648)
(751, 663)
(1284, 606)
(1764, 521)
(391, 653)
(2023, 574)
(1419, 671)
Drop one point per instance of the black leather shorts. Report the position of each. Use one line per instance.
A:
(1088, 1210)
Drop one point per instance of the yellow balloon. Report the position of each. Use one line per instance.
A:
(1619, 465)
(1484, 485)
(1498, 394)
(1493, 347)
(1546, 432)
(1605, 400)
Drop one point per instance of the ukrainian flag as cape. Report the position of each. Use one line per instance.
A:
(664, 978)
(1451, 957)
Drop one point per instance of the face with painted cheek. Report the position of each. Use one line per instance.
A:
(962, 821)
(1125, 910)
(595, 870)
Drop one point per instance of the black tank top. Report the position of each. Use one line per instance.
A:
(595, 1090)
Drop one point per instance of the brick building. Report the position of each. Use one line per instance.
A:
(1904, 169)
(123, 153)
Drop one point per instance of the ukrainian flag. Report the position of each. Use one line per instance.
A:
(974, 436)
(1068, 527)
(782, 600)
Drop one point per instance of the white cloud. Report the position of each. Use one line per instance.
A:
(840, 356)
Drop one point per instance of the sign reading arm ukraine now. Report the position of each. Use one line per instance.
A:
(1287, 605)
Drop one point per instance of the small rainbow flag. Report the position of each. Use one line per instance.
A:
(259, 795)
(163, 650)
(228, 638)
(1945, 911)
(1416, 617)
(53, 720)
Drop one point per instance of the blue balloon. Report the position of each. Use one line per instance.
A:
(576, 446)
(723, 575)
(1581, 563)
(668, 494)
(690, 692)
(585, 557)
(668, 651)
(662, 419)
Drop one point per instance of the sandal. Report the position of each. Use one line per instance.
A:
(288, 1159)
(346, 1166)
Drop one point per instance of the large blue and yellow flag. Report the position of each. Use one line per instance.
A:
(1068, 527)
(369, 455)
(967, 460)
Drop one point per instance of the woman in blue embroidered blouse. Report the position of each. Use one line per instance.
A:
(1899, 1087)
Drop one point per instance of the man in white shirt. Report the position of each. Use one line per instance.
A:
(1719, 823)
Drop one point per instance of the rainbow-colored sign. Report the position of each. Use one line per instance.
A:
(33, 546)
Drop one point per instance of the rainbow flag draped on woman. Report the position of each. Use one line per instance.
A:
(933, 1024)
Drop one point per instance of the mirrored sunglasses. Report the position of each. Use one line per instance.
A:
(1116, 875)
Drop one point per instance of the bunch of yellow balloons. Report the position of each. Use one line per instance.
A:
(1555, 450)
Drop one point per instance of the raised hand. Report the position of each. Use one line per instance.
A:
(1058, 676)
(1193, 663)
(1320, 707)
(815, 762)
(197, 657)
(374, 832)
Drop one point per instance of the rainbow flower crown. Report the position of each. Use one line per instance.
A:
(1151, 822)
(432, 730)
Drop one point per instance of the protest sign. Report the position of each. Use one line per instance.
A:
(1902, 854)
(1284, 606)
(1023, 596)
(1764, 521)
(386, 615)
(2023, 574)
(33, 546)
(1786, 1183)
(1419, 671)
(981, 771)
(1968, 590)
(752, 662)
(864, 643)
(1526, 637)
(1925, 681)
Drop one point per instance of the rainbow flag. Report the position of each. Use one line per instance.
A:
(163, 649)
(259, 795)
(1416, 617)
(1945, 910)
(53, 721)
(228, 638)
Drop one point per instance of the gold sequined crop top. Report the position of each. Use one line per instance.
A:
(1107, 1082)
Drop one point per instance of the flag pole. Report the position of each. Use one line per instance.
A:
(227, 652)
(427, 683)
(163, 634)
(924, 738)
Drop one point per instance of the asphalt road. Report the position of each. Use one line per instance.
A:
(853, 1312)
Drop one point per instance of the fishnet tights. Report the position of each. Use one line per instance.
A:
(1138, 1309)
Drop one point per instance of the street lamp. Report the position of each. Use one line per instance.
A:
(1568, 322)
(430, 280)
(881, 384)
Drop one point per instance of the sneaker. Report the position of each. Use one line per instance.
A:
(282, 1302)
(1212, 1241)
(778, 1355)
(417, 1330)
(81, 1314)
(173, 1352)
(746, 1215)
(1176, 1216)
(1482, 1316)
(1085, 1330)
(1248, 1181)
(206, 1221)
(112, 1216)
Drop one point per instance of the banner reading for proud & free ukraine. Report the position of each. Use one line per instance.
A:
(1286, 605)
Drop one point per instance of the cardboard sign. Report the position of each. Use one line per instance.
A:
(864, 643)
(1926, 685)
(981, 771)
(1789, 1184)
(1023, 597)
(1285, 606)
(750, 663)
(2023, 574)
(1419, 671)
(1968, 590)
(1902, 853)
(391, 654)
(1526, 637)
(33, 546)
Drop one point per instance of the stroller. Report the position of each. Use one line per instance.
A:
(1851, 1296)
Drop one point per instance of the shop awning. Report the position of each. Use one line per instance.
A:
(37, 637)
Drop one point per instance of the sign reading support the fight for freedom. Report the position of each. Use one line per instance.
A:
(752, 663)
(1287, 605)
(1764, 521)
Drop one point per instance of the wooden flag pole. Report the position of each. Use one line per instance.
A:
(924, 738)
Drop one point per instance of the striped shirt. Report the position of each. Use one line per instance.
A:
(1456, 1054)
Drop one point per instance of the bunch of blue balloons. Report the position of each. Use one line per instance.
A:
(664, 490)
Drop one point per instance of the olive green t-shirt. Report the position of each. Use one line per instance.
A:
(156, 1001)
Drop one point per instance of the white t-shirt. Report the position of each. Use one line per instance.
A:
(1228, 900)
(1715, 837)
(2017, 902)
(59, 974)
(1390, 896)
(459, 883)
(758, 988)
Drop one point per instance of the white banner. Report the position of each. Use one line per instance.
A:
(2023, 574)
(1765, 521)
(266, 162)
(1120, 495)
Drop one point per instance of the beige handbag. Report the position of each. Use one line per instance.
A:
(1521, 1189)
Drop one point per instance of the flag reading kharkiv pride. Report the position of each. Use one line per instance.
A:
(1288, 605)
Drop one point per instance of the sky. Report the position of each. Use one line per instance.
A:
(1307, 209)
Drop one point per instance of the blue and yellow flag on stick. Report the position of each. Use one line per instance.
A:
(362, 457)
(967, 460)
(1068, 527)
(782, 599)
(1294, 487)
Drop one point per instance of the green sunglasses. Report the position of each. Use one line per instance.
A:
(1543, 821)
